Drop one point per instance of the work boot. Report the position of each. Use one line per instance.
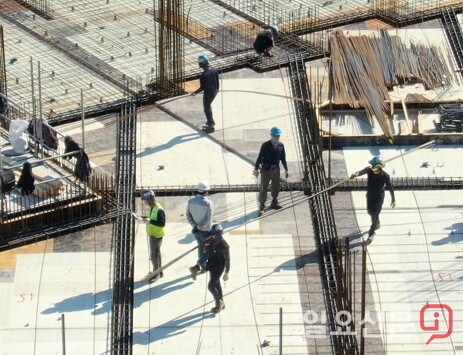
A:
(208, 129)
(261, 210)
(378, 226)
(219, 305)
(371, 237)
(194, 271)
(275, 204)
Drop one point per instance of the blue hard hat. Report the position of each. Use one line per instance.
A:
(274, 30)
(275, 131)
(203, 59)
(377, 161)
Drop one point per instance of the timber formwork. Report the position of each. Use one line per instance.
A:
(124, 233)
(321, 210)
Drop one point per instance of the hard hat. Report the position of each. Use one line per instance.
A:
(216, 228)
(147, 195)
(275, 131)
(274, 30)
(203, 59)
(377, 161)
(203, 186)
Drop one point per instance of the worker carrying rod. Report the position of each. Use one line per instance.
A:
(378, 181)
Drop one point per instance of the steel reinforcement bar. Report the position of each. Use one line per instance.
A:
(124, 233)
(320, 206)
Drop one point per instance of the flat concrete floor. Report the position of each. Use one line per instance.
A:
(412, 264)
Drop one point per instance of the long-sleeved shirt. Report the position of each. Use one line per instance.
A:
(377, 183)
(209, 81)
(219, 256)
(157, 221)
(199, 212)
(271, 155)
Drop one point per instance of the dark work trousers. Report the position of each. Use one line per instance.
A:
(207, 101)
(200, 236)
(267, 176)
(155, 252)
(214, 286)
(374, 206)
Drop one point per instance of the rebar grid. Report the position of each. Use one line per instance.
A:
(111, 47)
(320, 207)
(124, 233)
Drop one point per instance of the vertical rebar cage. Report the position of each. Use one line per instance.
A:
(3, 86)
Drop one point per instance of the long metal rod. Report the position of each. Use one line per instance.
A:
(428, 144)
(63, 334)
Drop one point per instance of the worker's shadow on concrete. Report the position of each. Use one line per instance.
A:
(455, 235)
(155, 290)
(174, 141)
(100, 302)
(169, 329)
(85, 301)
(187, 239)
(299, 262)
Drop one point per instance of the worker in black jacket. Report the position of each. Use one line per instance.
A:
(209, 83)
(271, 153)
(378, 182)
(218, 261)
(265, 41)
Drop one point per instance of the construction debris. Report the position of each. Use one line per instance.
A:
(450, 117)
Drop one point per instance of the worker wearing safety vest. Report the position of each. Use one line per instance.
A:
(155, 229)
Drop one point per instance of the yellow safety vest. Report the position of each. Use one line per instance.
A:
(155, 231)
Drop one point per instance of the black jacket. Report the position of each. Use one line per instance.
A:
(263, 41)
(270, 155)
(219, 256)
(209, 81)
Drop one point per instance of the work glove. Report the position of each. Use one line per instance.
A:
(255, 173)
(353, 175)
(286, 174)
(225, 276)
(392, 204)
(195, 229)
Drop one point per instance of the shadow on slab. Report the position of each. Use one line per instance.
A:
(101, 302)
(455, 235)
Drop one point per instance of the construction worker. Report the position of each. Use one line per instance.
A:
(378, 181)
(271, 153)
(199, 213)
(218, 261)
(155, 228)
(209, 83)
(265, 41)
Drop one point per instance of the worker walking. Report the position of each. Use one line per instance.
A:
(265, 41)
(155, 228)
(271, 153)
(209, 83)
(378, 181)
(199, 214)
(218, 263)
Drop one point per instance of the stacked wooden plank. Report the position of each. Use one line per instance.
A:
(364, 67)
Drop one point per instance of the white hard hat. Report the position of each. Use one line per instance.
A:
(203, 186)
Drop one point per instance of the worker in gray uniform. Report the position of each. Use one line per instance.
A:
(200, 215)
